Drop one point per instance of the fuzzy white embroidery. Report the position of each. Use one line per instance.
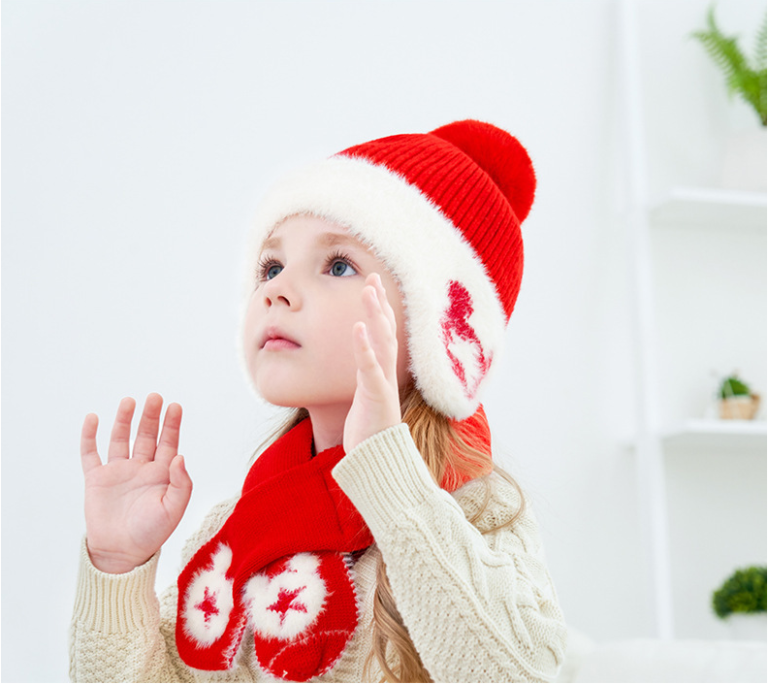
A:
(209, 600)
(287, 604)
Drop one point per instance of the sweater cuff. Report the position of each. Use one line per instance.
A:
(385, 475)
(115, 603)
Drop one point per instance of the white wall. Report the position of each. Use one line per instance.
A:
(137, 138)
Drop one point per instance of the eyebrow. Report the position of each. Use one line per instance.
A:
(324, 239)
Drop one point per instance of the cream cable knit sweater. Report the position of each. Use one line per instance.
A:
(479, 607)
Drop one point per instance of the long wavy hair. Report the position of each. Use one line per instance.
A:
(443, 449)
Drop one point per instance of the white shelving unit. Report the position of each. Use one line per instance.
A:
(710, 207)
(698, 208)
(735, 434)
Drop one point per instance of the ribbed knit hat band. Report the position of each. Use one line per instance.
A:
(442, 210)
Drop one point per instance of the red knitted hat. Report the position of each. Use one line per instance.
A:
(442, 210)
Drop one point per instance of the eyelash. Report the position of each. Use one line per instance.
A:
(265, 263)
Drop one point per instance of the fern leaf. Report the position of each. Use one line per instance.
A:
(740, 78)
(761, 104)
(760, 45)
(726, 54)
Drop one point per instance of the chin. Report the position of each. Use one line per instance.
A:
(284, 399)
(324, 396)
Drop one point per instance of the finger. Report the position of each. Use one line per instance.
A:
(376, 314)
(386, 307)
(380, 335)
(369, 369)
(179, 490)
(168, 446)
(374, 280)
(89, 455)
(119, 441)
(146, 435)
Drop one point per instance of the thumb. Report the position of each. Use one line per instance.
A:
(180, 488)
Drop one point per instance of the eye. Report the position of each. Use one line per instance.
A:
(268, 269)
(340, 266)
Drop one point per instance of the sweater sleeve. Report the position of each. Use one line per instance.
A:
(122, 632)
(478, 607)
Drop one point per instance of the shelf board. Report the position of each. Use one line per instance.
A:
(731, 434)
(711, 207)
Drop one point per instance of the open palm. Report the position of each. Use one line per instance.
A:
(133, 503)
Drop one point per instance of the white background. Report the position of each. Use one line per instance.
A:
(137, 137)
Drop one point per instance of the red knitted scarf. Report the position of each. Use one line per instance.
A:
(278, 565)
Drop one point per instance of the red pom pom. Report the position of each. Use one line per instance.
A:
(500, 155)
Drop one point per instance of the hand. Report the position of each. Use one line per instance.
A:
(132, 505)
(376, 404)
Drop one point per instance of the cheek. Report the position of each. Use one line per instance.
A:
(249, 330)
(334, 339)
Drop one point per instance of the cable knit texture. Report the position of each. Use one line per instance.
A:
(479, 605)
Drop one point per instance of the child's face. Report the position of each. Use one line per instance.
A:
(309, 293)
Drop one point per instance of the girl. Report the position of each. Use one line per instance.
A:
(372, 538)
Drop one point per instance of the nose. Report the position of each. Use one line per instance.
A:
(280, 290)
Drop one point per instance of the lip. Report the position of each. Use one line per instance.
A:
(279, 343)
(275, 339)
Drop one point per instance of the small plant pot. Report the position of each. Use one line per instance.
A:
(748, 626)
(740, 407)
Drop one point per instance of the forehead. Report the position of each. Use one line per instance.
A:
(316, 230)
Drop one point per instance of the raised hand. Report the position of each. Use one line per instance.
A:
(133, 504)
(376, 405)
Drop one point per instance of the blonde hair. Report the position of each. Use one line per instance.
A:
(444, 450)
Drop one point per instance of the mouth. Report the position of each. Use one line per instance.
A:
(275, 339)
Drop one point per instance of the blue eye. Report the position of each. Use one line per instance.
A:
(342, 268)
(340, 265)
(268, 269)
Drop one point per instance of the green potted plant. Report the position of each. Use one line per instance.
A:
(737, 401)
(744, 167)
(748, 80)
(741, 601)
